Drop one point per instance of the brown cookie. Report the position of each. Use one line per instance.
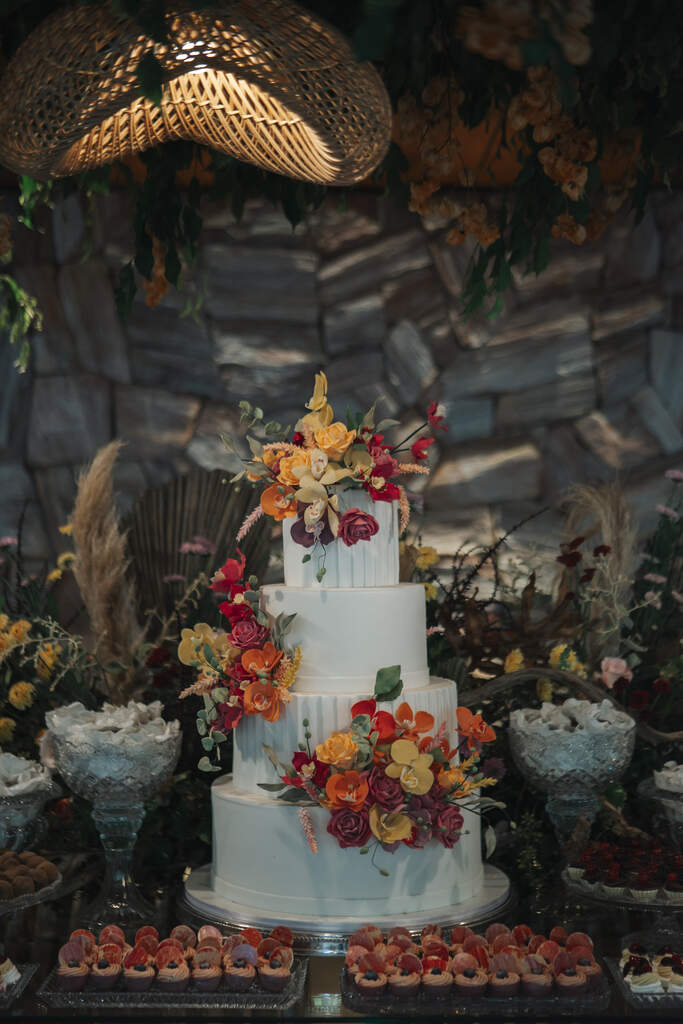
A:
(22, 885)
(7, 857)
(50, 870)
(6, 889)
(29, 858)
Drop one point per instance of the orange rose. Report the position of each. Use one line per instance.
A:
(263, 660)
(346, 789)
(262, 699)
(279, 502)
(334, 440)
(299, 458)
(339, 749)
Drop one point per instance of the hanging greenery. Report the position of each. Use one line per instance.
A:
(572, 106)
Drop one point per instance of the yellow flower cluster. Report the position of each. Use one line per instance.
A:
(22, 695)
(63, 564)
(7, 727)
(563, 657)
(12, 633)
(46, 659)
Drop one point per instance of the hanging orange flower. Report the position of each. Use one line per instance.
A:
(413, 724)
(263, 660)
(346, 789)
(474, 728)
(262, 699)
(279, 502)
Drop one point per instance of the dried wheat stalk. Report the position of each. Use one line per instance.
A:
(100, 571)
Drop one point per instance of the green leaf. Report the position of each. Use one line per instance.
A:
(220, 693)
(385, 424)
(211, 657)
(150, 76)
(490, 839)
(305, 559)
(388, 684)
(361, 725)
(207, 743)
(201, 726)
(292, 795)
(271, 755)
(218, 737)
(205, 765)
(320, 573)
(125, 292)
(255, 446)
(229, 443)
(271, 787)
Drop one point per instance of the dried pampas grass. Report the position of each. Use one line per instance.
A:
(100, 571)
(602, 514)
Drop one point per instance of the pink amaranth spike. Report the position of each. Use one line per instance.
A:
(306, 822)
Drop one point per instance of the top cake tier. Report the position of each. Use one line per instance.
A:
(367, 563)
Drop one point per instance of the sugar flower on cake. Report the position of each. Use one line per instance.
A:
(386, 781)
(244, 668)
(314, 473)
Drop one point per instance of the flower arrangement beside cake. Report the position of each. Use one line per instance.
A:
(202, 961)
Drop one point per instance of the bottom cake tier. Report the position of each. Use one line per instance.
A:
(262, 859)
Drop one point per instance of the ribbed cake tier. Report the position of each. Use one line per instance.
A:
(325, 713)
(261, 858)
(368, 563)
(347, 634)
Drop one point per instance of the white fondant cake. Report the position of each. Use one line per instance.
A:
(357, 620)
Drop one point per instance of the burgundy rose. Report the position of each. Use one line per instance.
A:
(228, 717)
(300, 533)
(639, 700)
(449, 823)
(349, 828)
(355, 525)
(385, 791)
(247, 634)
(320, 773)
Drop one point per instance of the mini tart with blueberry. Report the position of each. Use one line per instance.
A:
(274, 975)
(437, 980)
(503, 982)
(371, 982)
(473, 981)
(239, 973)
(72, 976)
(139, 977)
(571, 981)
(104, 975)
(206, 976)
(175, 976)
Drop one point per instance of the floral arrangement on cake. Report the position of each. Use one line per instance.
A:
(305, 473)
(246, 670)
(389, 779)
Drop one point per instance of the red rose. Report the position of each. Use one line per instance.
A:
(355, 525)
(157, 656)
(418, 449)
(349, 828)
(320, 774)
(236, 612)
(449, 824)
(247, 634)
(385, 791)
(385, 464)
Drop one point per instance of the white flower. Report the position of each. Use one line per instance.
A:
(318, 463)
(314, 512)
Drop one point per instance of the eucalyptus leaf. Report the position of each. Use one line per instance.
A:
(271, 755)
(218, 737)
(255, 447)
(205, 765)
(271, 787)
(201, 726)
(207, 743)
(292, 795)
(490, 840)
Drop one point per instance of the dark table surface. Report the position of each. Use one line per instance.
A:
(34, 935)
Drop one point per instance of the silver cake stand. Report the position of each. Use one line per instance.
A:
(327, 936)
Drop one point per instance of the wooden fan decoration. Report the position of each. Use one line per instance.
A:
(261, 80)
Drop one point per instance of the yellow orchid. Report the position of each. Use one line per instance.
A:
(410, 767)
(191, 646)
(319, 397)
(389, 827)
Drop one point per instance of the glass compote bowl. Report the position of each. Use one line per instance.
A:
(117, 758)
(25, 788)
(571, 752)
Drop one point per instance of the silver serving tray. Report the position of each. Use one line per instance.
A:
(594, 892)
(31, 898)
(14, 991)
(253, 999)
(648, 1000)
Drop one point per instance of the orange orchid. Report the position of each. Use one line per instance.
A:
(261, 660)
(346, 789)
(474, 728)
(262, 699)
(279, 502)
(412, 724)
(426, 745)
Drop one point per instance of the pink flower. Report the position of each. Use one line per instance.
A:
(677, 597)
(612, 669)
(198, 546)
(355, 525)
(173, 577)
(8, 542)
(664, 510)
(653, 577)
(674, 474)
(653, 599)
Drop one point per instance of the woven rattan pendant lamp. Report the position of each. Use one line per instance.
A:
(262, 80)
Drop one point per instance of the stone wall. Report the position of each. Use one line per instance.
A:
(580, 379)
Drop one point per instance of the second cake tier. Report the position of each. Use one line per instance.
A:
(347, 634)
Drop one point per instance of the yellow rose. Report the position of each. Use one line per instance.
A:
(389, 827)
(410, 767)
(20, 629)
(426, 557)
(339, 749)
(271, 455)
(7, 726)
(431, 592)
(514, 661)
(22, 695)
(335, 439)
(286, 474)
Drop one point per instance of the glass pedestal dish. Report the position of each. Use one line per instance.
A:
(21, 823)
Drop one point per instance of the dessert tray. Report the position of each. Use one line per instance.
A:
(119, 998)
(594, 891)
(648, 1000)
(13, 992)
(31, 898)
(596, 1000)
